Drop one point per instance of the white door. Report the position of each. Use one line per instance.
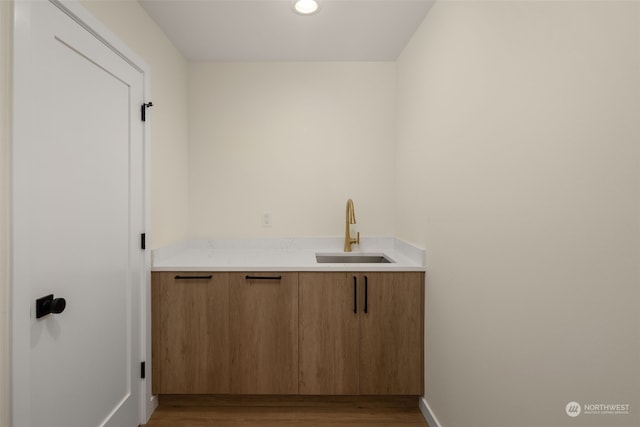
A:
(78, 214)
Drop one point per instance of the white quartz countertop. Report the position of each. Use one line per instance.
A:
(295, 254)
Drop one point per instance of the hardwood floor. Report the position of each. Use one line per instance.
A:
(268, 411)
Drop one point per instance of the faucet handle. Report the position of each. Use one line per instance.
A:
(357, 242)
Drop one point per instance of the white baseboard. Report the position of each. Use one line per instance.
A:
(151, 406)
(427, 413)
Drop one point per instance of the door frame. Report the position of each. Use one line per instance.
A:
(6, 105)
(23, 96)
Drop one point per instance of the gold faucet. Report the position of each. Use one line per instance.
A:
(351, 219)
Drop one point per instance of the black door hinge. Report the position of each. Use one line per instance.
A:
(143, 370)
(143, 241)
(143, 110)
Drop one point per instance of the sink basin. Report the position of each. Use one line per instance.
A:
(353, 258)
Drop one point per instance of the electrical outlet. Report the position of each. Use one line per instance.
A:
(266, 219)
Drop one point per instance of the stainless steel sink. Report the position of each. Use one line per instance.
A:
(352, 258)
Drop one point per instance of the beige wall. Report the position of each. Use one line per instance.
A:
(518, 170)
(6, 89)
(293, 139)
(169, 182)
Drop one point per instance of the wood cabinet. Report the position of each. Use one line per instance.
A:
(391, 334)
(190, 338)
(311, 333)
(361, 333)
(329, 334)
(263, 333)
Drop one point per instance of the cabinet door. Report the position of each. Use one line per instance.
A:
(190, 333)
(264, 333)
(391, 334)
(328, 330)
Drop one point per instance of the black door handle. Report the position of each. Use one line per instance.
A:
(355, 294)
(48, 305)
(366, 294)
(263, 277)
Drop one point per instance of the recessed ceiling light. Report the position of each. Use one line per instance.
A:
(305, 7)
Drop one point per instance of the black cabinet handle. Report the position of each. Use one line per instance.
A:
(193, 277)
(263, 277)
(355, 294)
(366, 293)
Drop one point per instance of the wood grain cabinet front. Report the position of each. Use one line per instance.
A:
(310, 333)
(329, 334)
(190, 338)
(361, 333)
(263, 333)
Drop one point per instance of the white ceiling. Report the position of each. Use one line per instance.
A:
(269, 30)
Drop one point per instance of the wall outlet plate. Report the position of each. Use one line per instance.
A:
(266, 219)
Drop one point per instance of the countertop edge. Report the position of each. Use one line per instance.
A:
(286, 255)
(323, 268)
